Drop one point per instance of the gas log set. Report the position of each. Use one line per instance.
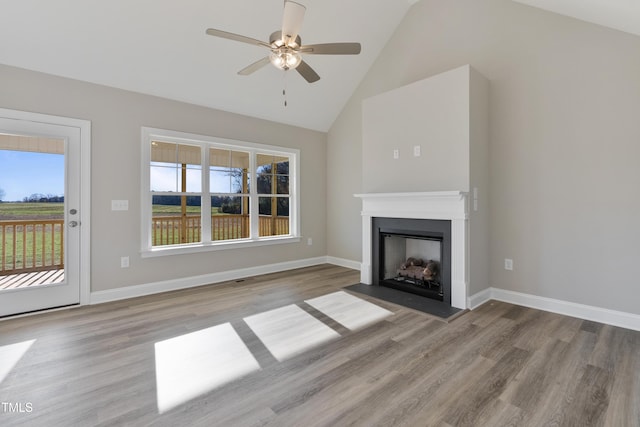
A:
(418, 272)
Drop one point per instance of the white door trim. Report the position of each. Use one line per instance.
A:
(85, 186)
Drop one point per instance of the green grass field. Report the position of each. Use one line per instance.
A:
(14, 211)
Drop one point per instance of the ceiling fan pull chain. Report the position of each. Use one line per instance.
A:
(284, 87)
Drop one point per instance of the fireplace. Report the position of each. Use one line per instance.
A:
(447, 216)
(413, 255)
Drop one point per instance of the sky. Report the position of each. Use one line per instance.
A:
(167, 177)
(23, 174)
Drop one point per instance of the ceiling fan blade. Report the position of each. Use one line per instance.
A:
(236, 37)
(307, 72)
(331, 49)
(292, 20)
(254, 67)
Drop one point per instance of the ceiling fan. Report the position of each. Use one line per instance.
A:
(286, 46)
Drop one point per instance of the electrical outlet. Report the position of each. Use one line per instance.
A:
(396, 154)
(124, 262)
(508, 264)
(416, 151)
(309, 241)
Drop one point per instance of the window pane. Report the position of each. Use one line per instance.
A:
(163, 177)
(230, 218)
(283, 167)
(231, 180)
(170, 161)
(228, 171)
(283, 206)
(226, 159)
(273, 174)
(264, 163)
(175, 220)
(274, 216)
(282, 186)
(264, 183)
(264, 205)
(194, 180)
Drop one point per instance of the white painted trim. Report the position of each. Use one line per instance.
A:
(217, 246)
(476, 300)
(347, 263)
(85, 213)
(148, 135)
(84, 127)
(419, 205)
(442, 205)
(206, 279)
(567, 308)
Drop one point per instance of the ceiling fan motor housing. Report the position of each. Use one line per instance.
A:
(276, 40)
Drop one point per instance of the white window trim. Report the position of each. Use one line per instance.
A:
(150, 134)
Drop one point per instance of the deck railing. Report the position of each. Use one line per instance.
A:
(172, 230)
(38, 245)
(33, 245)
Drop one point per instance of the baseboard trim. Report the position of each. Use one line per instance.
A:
(347, 263)
(100, 297)
(476, 300)
(567, 308)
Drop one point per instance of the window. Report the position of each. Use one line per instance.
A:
(209, 193)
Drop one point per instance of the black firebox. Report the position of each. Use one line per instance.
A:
(413, 255)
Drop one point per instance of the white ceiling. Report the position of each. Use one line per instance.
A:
(623, 15)
(159, 47)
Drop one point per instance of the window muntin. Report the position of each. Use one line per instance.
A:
(246, 195)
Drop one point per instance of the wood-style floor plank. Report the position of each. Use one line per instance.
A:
(499, 365)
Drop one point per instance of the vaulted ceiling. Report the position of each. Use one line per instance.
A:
(159, 47)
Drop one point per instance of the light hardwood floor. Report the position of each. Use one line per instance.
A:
(495, 366)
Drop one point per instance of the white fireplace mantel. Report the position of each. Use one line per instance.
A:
(443, 205)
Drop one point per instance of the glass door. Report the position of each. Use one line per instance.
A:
(39, 216)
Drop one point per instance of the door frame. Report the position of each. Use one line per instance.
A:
(84, 126)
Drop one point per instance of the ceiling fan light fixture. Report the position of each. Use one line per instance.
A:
(285, 59)
(286, 47)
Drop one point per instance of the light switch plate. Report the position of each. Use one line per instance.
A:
(119, 205)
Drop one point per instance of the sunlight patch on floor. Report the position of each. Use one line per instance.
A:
(289, 331)
(10, 355)
(350, 311)
(193, 364)
(196, 363)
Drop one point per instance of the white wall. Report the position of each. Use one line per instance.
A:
(563, 174)
(432, 114)
(116, 118)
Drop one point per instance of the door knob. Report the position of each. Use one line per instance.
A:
(73, 224)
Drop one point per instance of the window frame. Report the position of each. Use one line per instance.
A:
(205, 142)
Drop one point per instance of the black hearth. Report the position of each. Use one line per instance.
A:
(414, 256)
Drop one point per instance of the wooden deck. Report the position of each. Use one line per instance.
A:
(24, 280)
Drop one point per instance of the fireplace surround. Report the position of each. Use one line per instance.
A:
(450, 207)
